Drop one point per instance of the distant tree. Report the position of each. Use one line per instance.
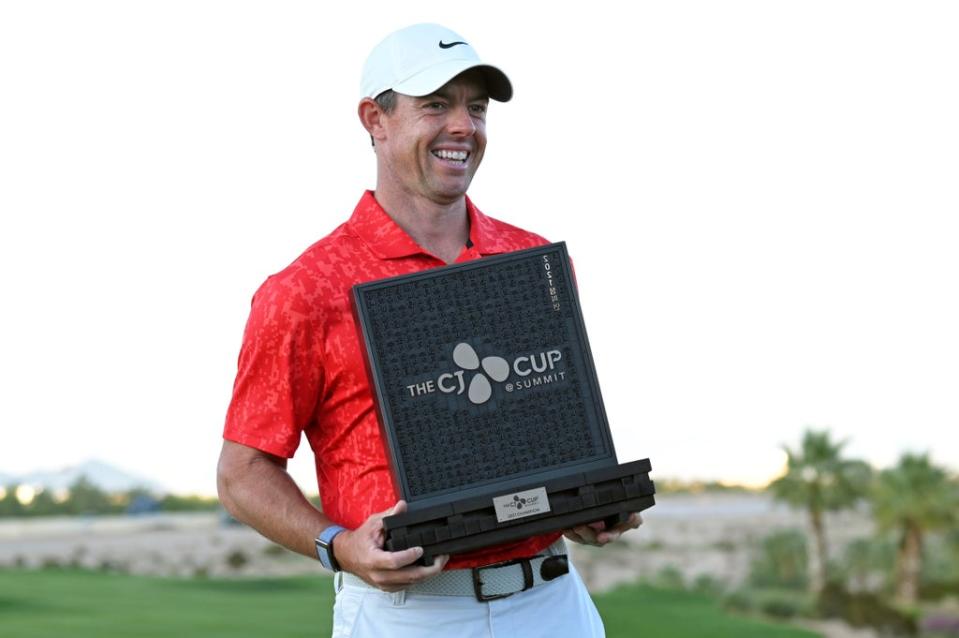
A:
(819, 480)
(782, 561)
(866, 562)
(43, 504)
(913, 498)
(9, 505)
(86, 498)
(175, 503)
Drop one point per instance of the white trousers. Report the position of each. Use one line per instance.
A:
(560, 608)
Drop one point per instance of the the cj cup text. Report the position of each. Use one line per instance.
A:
(455, 382)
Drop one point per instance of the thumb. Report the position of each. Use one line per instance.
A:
(399, 508)
(376, 520)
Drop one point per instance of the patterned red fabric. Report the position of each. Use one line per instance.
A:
(301, 364)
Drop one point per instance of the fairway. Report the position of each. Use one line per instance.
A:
(643, 611)
(53, 604)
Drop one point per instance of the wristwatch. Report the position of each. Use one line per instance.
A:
(324, 547)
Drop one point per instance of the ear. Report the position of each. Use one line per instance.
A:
(372, 118)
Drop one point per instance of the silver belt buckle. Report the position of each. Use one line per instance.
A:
(478, 581)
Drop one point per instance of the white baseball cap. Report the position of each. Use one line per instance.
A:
(421, 58)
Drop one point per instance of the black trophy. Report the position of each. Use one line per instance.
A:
(489, 404)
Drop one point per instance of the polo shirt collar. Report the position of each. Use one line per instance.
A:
(485, 237)
(388, 241)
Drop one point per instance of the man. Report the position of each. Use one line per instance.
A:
(425, 96)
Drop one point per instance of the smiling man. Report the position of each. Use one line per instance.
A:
(428, 149)
(425, 94)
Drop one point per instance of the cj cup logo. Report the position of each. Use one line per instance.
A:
(495, 368)
(520, 503)
(480, 389)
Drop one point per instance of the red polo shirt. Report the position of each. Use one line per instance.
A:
(301, 364)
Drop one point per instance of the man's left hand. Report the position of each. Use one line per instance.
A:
(596, 533)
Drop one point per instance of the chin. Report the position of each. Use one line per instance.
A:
(451, 193)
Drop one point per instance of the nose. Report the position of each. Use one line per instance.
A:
(460, 122)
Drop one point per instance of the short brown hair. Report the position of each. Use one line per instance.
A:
(386, 101)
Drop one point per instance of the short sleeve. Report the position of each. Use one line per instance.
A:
(279, 373)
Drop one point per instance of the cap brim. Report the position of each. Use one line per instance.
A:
(497, 84)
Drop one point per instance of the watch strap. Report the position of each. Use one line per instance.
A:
(324, 547)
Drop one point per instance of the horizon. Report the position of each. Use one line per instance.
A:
(683, 483)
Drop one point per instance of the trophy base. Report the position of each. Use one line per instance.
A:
(608, 494)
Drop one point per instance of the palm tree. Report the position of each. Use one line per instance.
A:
(914, 497)
(819, 480)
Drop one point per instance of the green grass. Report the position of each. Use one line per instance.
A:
(54, 604)
(41, 604)
(641, 610)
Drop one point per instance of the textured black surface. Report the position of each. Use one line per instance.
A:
(608, 495)
(509, 308)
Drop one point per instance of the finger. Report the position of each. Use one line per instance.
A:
(634, 521)
(391, 561)
(573, 536)
(423, 573)
(587, 533)
(374, 528)
(577, 535)
(622, 527)
(607, 537)
(397, 579)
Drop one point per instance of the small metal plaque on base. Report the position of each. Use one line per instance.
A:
(489, 404)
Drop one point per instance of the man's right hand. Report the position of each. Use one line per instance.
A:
(360, 552)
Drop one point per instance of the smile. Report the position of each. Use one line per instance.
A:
(455, 156)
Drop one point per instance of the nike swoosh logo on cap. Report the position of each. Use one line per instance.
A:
(443, 45)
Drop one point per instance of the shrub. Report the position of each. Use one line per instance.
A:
(237, 559)
(865, 610)
(865, 561)
(739, 601)
(706, 584)
(781, 561)
(725, 546)
(780, 604)
(51, 562)
(670, 577)
(939, 590)
(940, 565)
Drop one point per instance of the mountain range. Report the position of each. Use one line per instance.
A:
(107, 477)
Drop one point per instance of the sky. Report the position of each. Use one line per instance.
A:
(761, 198)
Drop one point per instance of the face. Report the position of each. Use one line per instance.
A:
(434, 144)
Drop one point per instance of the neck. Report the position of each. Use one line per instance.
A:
(441, 228)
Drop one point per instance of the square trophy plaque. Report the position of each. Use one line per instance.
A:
(489, 405)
